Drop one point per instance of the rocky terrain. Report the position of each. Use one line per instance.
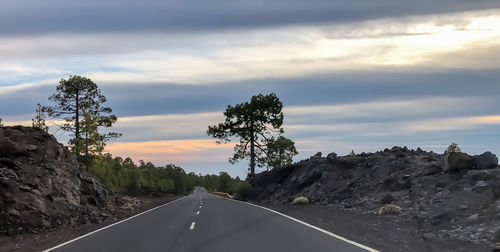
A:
(443, 197)
(42, 186)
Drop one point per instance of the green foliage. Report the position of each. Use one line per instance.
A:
(78, 101)
(123, 176)
(218, 183)
(39, 120)
(242, 190)
(452, 148)
(352, 154)
(253, 123)
(280, 152)
(210, 182)
(225, 183)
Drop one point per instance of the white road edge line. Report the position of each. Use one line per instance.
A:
(309, 225)
(192, 225)
(116, 223)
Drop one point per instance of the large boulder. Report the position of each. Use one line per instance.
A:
(486, 160)
(317, 155)
(41, 184)
(331, 157)
(93, 192)
(457, 162)
(388, 199)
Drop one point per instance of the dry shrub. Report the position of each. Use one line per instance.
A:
(301, 200)
(389, 209)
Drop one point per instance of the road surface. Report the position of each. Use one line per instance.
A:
(205, 222)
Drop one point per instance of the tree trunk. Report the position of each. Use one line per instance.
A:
(86, 145)
(87, 160)
(77, 126)
(252, 156)
(86, 130)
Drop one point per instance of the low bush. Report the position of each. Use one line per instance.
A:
(242, 190)
(301, 200)
(390, 209)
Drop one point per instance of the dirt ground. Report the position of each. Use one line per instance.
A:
(379, 232)
(51, 238)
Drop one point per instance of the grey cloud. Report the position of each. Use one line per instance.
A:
(58, 16)
(328, 89)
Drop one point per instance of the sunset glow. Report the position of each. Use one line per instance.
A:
(175, 151)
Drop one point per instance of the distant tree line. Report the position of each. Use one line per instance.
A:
(125, 177)
(223, 183)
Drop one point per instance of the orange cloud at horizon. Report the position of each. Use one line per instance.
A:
(172, 151)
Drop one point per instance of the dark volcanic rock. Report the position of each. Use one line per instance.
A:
(317, 155)
(388, 199)
(332, 156)
(486, 160)
(41, 184)
(446, 195)
(457, 162)
(95, 193)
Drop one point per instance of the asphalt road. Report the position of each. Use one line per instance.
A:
(205, 222)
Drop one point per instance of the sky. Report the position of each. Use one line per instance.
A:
(352, 75)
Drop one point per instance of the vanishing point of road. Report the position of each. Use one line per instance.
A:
(207, 223)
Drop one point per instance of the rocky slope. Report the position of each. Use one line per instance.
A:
(43, 187)
(446, 196)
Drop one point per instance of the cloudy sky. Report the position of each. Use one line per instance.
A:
(361, 75)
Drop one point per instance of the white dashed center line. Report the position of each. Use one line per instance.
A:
(192, 226)
(197, 212)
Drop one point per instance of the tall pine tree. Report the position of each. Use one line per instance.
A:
(79, 102)
(253, 123)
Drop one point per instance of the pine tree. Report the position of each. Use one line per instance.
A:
(253, 123)
(452, 148)
(39, 120)
(280, 152)
(78, 101)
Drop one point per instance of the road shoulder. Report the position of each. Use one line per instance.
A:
(51, 238)
(379, 232)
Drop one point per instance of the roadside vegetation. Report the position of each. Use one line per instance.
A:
(453, 148)
(125, 177)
